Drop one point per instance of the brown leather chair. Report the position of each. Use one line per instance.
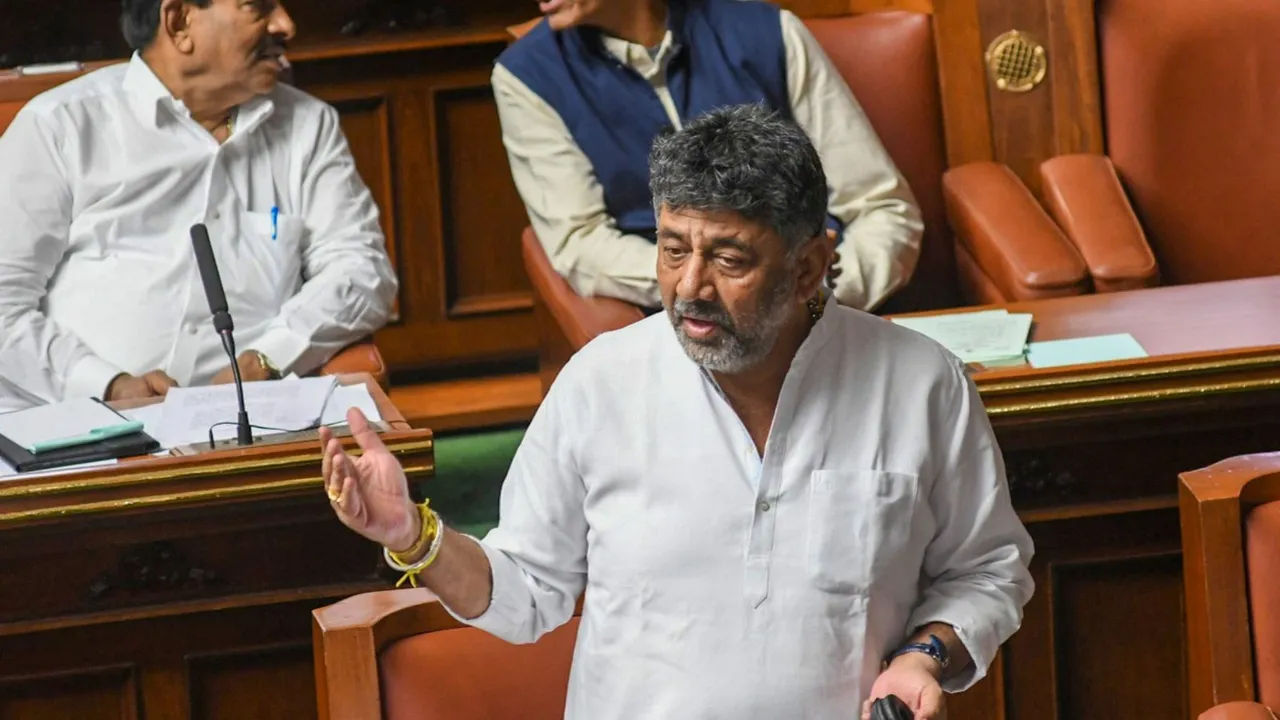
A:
(1230, 515)
(1187, 191)
(360, 357)
(888, 60)
(399, 655)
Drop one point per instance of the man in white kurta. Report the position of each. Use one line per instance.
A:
(102, 178)
(763, 494)
(720, 583)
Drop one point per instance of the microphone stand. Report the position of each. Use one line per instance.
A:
(244, 432)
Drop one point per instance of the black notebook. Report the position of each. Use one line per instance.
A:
(138, 443)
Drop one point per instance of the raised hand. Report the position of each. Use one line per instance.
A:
(370, 494)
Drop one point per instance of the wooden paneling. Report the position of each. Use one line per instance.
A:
(482, 218)
(367, 125)
(432, 148)
(966, 112)
(90, 694)
(228, 686)
(1103, 609)
(1062, 115)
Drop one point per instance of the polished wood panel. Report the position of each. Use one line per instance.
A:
(1062, 115)
(229, 686)
(190, 579)
(482, 272)
(109, 693)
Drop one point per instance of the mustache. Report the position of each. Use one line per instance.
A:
(704, 310)
(272, 45)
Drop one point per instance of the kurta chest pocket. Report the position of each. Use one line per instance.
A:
(279, 231)
(859, 522)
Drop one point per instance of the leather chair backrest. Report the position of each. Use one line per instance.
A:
(1262, 558)
(888, 60)
(1191, 95)
(467, 673)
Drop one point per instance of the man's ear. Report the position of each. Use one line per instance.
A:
(175, 24)
(812, 261)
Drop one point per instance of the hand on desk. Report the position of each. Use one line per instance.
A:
(370, 493)
(129, 387)
(251, 370)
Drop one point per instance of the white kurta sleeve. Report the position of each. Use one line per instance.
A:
(538, 552)
(40, 361)
(976, 576)
(349, 285)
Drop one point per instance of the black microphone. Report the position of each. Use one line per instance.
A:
(217, 297)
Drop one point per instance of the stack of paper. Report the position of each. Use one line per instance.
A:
(293, 404)
(990, 337)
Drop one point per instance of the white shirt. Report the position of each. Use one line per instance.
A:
(101, 180)
(719, 584)
(565, 202)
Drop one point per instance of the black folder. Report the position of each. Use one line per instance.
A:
(20, 459)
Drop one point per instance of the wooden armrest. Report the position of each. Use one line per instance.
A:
(348, 637)
(1086, 198)
(361, 357)
(1010, 237)
(1238, 711)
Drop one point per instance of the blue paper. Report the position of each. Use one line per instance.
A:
(1079, 351)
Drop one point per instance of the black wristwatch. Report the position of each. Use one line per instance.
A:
(935, 649)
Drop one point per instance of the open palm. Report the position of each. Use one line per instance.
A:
(370, 493)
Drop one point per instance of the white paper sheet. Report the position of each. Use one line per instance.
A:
(281, 405)
(345, 397)
(974, 337)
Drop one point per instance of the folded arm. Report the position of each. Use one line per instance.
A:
(565, 201)
(349, 284)
(40, 362)
(882, 224)
(975, 571)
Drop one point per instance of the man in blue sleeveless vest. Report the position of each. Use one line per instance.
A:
(583, 95)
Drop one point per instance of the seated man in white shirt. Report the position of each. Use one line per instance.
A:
(582, 96)
(102, 178)
(763, 494)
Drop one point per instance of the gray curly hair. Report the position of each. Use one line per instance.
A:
(745, 159)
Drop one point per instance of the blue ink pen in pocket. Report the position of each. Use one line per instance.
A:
(275, 222)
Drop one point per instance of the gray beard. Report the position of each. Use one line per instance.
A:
(742, 345)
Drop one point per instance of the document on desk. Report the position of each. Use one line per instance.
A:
(345, 397)
(187, 414)
(1081, 351)
(985, 336)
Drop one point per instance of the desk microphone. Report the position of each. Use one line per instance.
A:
(217, 297)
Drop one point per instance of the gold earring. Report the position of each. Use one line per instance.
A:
(816, 307)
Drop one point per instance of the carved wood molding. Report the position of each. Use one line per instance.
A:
(154, 567)
(1032, 477)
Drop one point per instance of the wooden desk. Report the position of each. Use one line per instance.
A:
(178, 588)
(1093, 455)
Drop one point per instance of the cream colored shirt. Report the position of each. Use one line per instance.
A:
(565, 201)
(100, 181)
(725, 583)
